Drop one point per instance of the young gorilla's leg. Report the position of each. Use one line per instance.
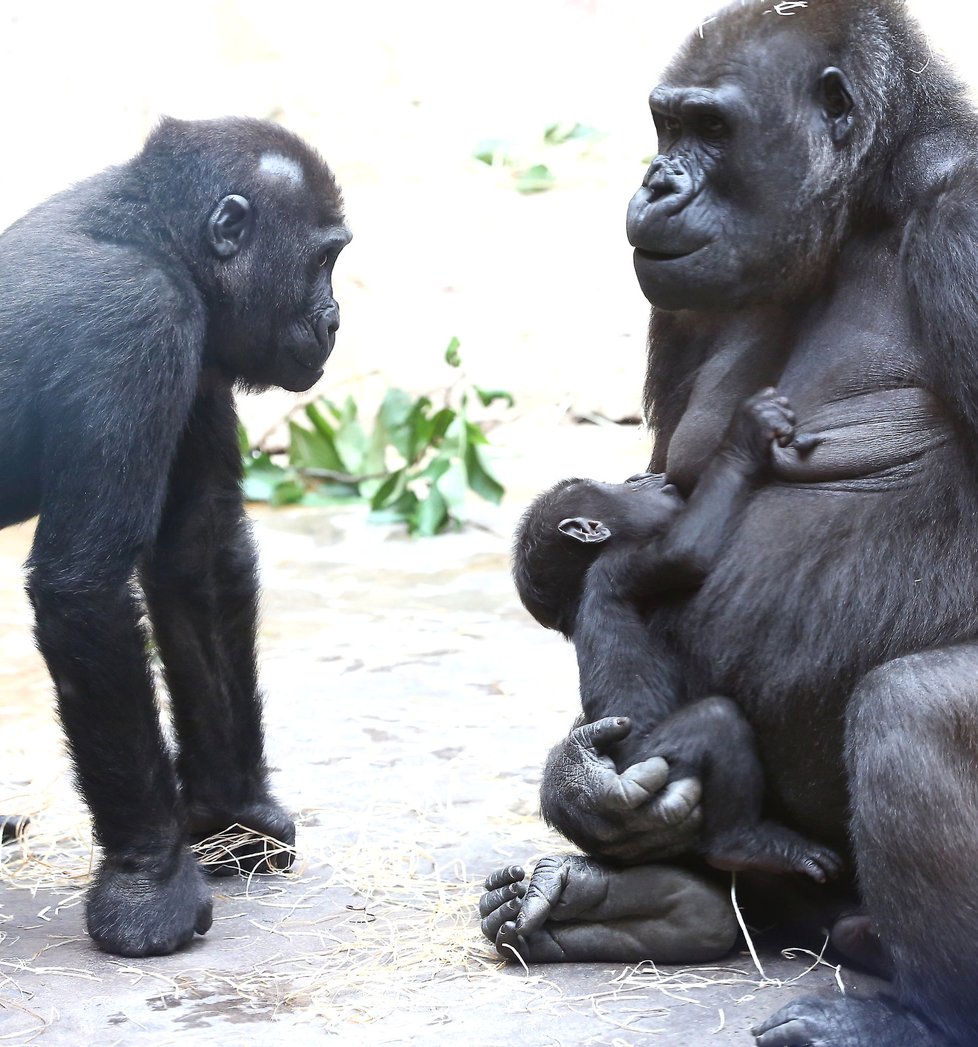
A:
(911, 739)
(575, 909)
(710, 739)
(201, 588)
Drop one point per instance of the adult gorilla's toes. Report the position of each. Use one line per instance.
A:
(259, 838)
(138, 911)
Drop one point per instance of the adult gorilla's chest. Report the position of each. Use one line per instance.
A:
(804, 600)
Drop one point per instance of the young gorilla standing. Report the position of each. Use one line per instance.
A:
(130, 307)
(590, 561)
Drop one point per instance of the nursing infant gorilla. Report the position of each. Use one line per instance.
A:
(810, 224)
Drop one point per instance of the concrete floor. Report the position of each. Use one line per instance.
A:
(410, 705)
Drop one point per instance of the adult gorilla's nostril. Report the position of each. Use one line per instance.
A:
(326, 327)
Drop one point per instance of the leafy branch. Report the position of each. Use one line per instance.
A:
(414, 466)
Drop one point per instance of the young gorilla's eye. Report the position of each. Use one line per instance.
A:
(672, 126)
(323, 258)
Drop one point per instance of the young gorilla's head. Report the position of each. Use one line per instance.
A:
(565, 530)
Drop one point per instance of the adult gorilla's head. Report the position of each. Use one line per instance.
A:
(777, 124)
(258, 217)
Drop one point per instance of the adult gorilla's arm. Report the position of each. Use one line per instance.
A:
(629, 817)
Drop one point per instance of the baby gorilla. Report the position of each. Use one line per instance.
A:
(592, 559)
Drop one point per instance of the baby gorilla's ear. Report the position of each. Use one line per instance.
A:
(582, 530)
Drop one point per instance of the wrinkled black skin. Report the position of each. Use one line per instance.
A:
(130, 307)
(592, 559)
(824, 164)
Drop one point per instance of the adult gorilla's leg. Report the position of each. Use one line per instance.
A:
(912, 740)
(201, 587)
(574, 908)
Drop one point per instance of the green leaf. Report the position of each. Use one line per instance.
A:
(558, 133)
(480, 477)
(440, 423)
(431, 514)
(451, 353)
(313, 449)
(453, 483)
(536, 179)
(492, 151)
(390, 490)
(288, 492)
(395, 408)
(489, 396)
(244, 444)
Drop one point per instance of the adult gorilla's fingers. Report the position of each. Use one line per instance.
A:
(637, 784)
(676, 803)
(494, 899)
(494, 920)
(502, 877)
(603, 733)
(546, 886)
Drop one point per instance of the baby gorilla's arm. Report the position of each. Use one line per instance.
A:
(575, 909)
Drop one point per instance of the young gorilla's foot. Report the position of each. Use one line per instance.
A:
(814, 1021)
(137, 907)
(576, 909)
(258, 838)
(11, 826)
(772, 848)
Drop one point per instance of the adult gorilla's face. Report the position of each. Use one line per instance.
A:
(725, 215)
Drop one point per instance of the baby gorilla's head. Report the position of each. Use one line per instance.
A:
(566, 529)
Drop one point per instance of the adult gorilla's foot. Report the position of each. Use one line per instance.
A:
(813, 1021)
(258, 838)
(576, 909)
(138, 908)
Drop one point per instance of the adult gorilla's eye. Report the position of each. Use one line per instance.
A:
(672, 126)
(322, 259)
(712, 128)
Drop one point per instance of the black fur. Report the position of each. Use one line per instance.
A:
(130, 305)
(817, 228)
(592, 560)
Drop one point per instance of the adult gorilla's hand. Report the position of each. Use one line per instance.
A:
(635, 816)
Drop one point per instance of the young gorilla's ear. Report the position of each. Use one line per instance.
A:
(229, 225)
(582, 530)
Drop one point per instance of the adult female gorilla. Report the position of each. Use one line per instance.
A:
(811, 222)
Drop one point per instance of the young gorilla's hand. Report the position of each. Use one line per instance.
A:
(759, 422)
(635, 816)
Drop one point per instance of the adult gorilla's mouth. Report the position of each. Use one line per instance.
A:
(665, 256)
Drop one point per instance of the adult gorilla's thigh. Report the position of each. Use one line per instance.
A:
(912, 742)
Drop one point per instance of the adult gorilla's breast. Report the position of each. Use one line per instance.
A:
(805, 600)
(870, 441)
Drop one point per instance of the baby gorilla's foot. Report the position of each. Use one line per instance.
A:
(143, 907)
(258, 838)
(772, 848)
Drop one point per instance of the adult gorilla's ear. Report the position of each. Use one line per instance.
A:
(582, 530)
(835, 96)
(229, 225)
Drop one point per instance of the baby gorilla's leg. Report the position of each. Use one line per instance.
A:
(771, 848)
(575, 909)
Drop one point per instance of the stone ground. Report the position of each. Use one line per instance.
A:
(410, 704)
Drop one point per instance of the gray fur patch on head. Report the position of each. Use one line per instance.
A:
(275, 165)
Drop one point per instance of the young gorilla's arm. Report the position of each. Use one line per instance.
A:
(685, 556)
